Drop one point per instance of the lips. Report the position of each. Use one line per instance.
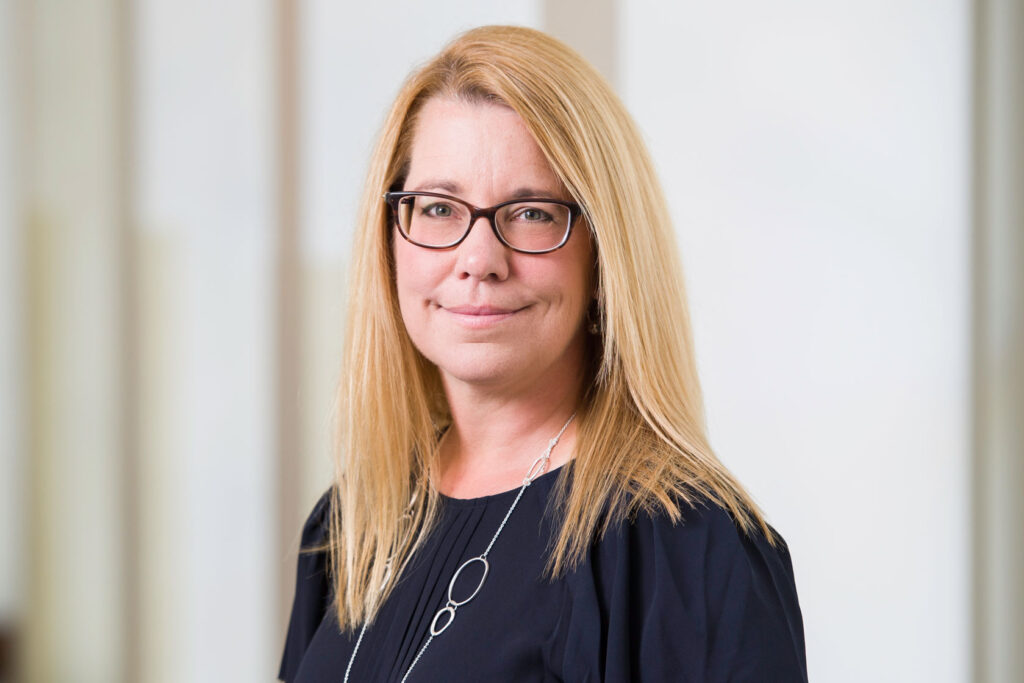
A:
(480, 317)
(480, 310)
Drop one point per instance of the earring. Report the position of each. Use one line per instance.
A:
(593, 318)
(594, 310)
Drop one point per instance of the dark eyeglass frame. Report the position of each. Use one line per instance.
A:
(490, 213)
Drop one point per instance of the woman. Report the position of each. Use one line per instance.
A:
(524, 487)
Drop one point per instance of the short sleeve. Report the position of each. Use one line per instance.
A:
(696, 601)
(312, 591)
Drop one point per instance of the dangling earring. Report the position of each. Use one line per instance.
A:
(594, 310)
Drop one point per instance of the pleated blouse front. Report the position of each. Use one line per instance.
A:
(696, 601)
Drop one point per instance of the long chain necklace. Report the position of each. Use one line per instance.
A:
(446, 615)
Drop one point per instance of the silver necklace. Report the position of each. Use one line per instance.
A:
(446, 615)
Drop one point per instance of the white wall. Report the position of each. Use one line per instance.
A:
(816, 157)
(204, 88)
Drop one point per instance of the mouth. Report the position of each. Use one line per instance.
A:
(479, 310)
(477, 317)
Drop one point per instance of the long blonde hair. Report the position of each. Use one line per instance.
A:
(641, 443)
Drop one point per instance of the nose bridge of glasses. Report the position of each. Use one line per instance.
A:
(490, 215)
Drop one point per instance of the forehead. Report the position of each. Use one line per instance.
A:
(479, 148)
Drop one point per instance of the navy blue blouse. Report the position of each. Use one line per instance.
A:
(696, 601)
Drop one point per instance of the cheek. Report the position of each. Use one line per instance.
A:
(406, 278)
(415, 271)
(418, 274)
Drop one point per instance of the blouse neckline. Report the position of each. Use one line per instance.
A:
(502, 496)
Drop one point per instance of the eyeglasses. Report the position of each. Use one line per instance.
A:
(440, 221)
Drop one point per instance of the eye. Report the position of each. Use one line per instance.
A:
(438, 210)
(532, 214)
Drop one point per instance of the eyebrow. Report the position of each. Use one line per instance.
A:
(532, 192)
(437, 186)
(453, 188)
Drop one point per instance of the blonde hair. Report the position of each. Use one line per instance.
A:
(641, 444)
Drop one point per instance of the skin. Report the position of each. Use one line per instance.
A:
(506, 330)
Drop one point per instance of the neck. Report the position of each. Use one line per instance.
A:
(493, 440)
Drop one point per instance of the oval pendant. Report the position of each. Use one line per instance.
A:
(434, 629)
(483, 577)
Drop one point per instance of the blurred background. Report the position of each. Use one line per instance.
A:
(177, 191)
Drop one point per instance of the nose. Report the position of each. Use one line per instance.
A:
(481, 255)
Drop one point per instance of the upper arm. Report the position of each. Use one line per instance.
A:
(755, 628)
(696, 601)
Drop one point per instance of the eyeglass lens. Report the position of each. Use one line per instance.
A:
(439, 222)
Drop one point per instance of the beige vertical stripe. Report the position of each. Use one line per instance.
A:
(590, 27)
(999, 341)
(129, 390)
(289, 309)
(75, 629)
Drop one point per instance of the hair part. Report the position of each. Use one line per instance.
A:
(641, 438)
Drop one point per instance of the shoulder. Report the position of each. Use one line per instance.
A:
(705, 548)
(313, 590)
(703, 530)
(315, 528)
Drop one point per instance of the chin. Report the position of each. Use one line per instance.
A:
(480, 367)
